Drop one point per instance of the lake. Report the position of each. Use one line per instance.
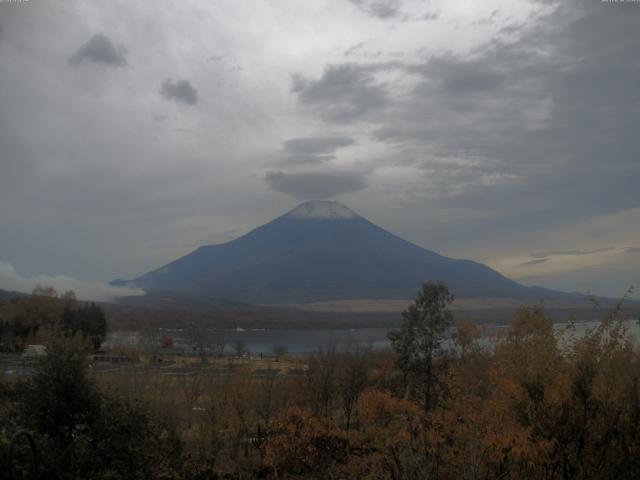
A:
(304, 341)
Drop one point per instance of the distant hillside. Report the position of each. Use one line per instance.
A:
(180, 310)
(8, 295)
(323, 251)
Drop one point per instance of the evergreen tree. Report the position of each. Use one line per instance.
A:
(419, 339)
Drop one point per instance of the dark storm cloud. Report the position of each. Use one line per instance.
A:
(180, 91)
(344, 93)
(99, 49)
(383, 9)
(315, 185)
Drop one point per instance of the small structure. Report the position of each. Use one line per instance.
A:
(34, 351)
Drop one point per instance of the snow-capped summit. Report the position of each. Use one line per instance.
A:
(321, 210)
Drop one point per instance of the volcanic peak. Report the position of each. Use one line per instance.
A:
(322, 210)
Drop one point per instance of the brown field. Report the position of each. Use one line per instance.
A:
(363, 305)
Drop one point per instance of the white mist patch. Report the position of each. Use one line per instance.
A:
(321, 210)
(84, 290)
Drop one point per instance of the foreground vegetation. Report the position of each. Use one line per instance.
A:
(536, 405)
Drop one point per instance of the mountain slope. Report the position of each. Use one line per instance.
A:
(6, 295)
(321, 251)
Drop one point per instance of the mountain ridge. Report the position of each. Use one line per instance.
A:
(322, 251)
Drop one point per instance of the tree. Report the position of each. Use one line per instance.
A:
(321, 381)
(69, 297)
(240, 348)
(465, 336)
(44, 291)
(279, 351)
(353, 377)
(89, 320)
(167, 342)
(83, 433)
(202, 341)
(192, 390)
(218, 343)
(93, 324)
(420, 337)
(301, 445)
(59, 400)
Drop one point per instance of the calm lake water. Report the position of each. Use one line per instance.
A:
(301, 341)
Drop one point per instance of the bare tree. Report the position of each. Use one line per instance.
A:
(239, 348)
(354, 374)
(192, 389)
(279, 351)
(201, 341)
(217, 343)
(150, 339)
(321, 380)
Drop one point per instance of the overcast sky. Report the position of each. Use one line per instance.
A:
(507, 132)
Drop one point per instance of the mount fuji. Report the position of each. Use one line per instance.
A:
(322, 251)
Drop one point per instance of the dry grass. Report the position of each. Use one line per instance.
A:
(365, 305)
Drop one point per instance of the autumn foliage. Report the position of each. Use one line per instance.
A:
(531, 402)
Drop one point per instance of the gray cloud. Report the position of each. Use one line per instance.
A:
(302, 159)
(632, 250)
(353, 49)
(99, 49)
(344, 93)
(383, 9)
(312, 150)
(180, 91)
(316, 145)
(454, 76)
(97, 291)
(315, 185)
(573, 253)
(534, 262)
(515, 110)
